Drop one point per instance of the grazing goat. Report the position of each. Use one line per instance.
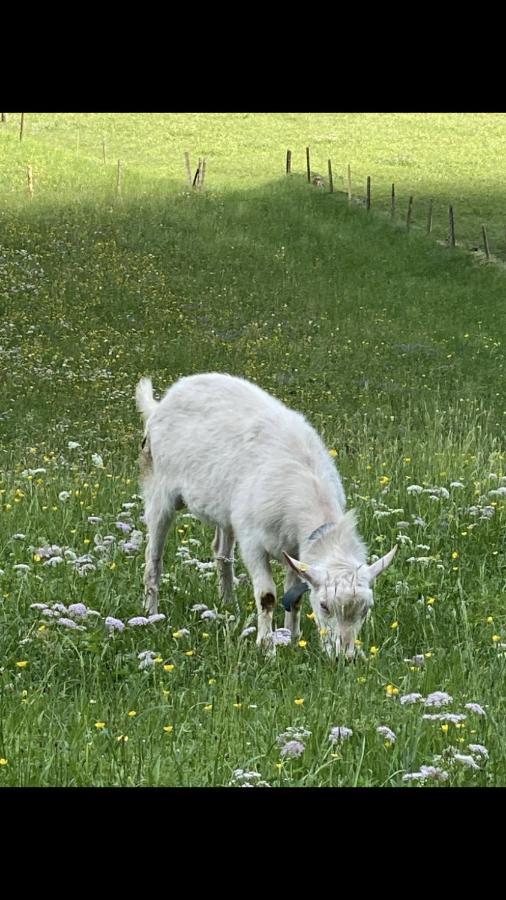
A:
(236, 457)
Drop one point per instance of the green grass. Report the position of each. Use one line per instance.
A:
(452, 158)
(393, 347)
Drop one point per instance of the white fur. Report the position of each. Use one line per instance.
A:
(238, 458)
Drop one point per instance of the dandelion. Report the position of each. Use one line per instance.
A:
(391, 690)
(168, 729)
(333, 453)
(189, 652)
(310, 616)
(208, 707)
(438, 698)
(302, 644)
(132, 713)
(22, 664)
(169, 667)
(122, 737)
(496, 638)
(3, 761)
(299, 701)
(339, 733)
(394, 625)
(292, 750)
(237, 705)
(387, 733)
(384, 480)
(100, 726)
(212, 681)
(373, 650)
(444, 728)
(475, 708)
(180, 633)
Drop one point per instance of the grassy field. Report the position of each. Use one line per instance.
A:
(391, 344)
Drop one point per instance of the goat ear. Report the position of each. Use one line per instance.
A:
(381, 564)
(310, 574)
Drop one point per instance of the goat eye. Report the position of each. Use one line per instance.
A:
(324, 606)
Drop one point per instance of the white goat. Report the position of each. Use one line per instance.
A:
(238, 458)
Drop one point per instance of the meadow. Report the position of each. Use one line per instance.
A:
(391, 344)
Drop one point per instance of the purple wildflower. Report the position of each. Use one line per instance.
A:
(433, 772)
(79, 610)
(480, 749)
(69, 623)
(281, 636)
(53, 561)
(124, 527)
(156, 617)
(407, 699)
(387, 733)
(292, 750)
(339, 733)
(466, 760)
(476, 708)
(249, 630)
(113, 624)
(445, 717)
(209, 614)
(138, 620)
(60, 607)
(94, 520)
(438, 698)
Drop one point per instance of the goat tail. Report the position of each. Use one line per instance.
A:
(146, 403)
